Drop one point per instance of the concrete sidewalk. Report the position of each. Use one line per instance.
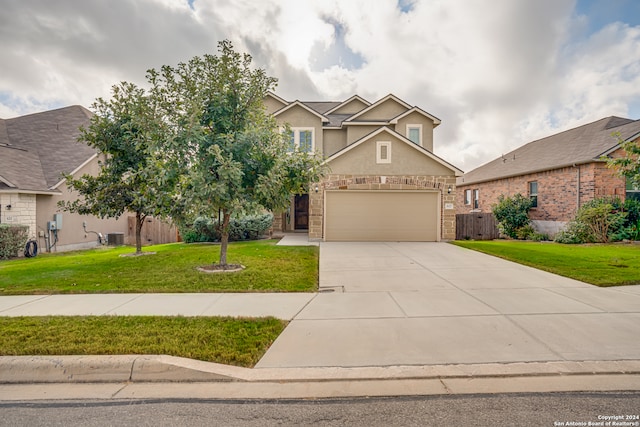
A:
(432, 313)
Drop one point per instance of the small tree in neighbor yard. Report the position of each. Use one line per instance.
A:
(134, 175)
(512, 213)
(627, 166)
(235, 155)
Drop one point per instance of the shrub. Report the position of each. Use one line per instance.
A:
(512, 213)
(250, 227)
(600, 221)
(525, 233)
(12, 240)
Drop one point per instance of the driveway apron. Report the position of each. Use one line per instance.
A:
(395, 303)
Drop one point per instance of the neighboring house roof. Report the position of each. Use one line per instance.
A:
(37, 149)
(584, 144)
(385, 129)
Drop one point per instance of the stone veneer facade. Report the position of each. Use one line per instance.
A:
(378, 182)
(23, 210)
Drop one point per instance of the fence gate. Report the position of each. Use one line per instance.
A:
(476, 226)
(154, 231)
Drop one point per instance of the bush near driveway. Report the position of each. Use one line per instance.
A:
(598, 264)
(269, 268)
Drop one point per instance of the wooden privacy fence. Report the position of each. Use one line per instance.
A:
(476, 226)
(154, 231)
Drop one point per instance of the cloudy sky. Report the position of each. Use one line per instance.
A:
(499, 73)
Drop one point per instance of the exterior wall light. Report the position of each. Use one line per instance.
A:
(449, 190)
(316, 188)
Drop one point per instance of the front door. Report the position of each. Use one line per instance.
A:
(301, 217)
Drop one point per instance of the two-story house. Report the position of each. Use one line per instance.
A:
(384, 181)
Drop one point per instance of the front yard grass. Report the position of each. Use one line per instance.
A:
(269, 268)
(598, 264)
(231, 341)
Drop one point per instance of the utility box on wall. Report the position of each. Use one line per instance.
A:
(57, 218)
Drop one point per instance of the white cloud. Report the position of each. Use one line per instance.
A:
(498, 74)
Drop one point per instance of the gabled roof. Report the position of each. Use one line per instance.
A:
(37, 149)
(376, 104)
(302, 105)
(347, 102)
(584, 144)
(385, 129)
(436, 121)
(277, 98)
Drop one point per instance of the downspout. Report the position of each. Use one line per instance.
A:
(577, 186)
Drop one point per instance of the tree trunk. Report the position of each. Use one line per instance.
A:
(139, 223)
(224, 237)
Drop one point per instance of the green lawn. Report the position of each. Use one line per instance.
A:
(269, 268)
(240, 342)
(599, 264)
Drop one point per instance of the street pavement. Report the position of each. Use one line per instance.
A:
(390, 310)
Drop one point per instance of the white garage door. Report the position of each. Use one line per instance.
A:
(403, 216)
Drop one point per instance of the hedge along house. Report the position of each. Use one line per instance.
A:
(560, 173)
(384, 181)
(36, 151)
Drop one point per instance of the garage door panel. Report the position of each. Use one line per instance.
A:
(381, 216)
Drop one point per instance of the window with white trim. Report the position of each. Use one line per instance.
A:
(476, 199)
(533, 193)
(383, 152)
(302, 139)
(467, 197)
(414, 133)
(632, 190)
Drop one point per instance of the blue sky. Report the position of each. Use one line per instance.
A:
(497, 76)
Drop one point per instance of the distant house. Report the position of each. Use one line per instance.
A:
(36, 151)
(385, 182)
(560, 173)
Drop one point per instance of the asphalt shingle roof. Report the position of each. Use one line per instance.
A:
(37, 149)
(583, 144)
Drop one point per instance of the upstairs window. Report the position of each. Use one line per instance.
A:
(533, 193)
(414, 134)
(302, 139)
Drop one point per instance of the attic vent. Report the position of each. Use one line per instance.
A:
(383, 152)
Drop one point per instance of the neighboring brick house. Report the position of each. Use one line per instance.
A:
(36, 150)
(384, 181)
(560, 172)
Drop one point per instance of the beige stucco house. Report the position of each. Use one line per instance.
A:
(384, 181)
(36, 150)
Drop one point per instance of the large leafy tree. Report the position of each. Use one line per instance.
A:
(234, 155)
(135, 173)
(628, 165)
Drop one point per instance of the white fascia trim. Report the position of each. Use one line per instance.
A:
(73, 172)
(375, 104)
(277, 98)
(436, 121)
(365, 123)
(37, 192)
(617, 146)
(348, 101)
(300, 104)
(422, 150)
(6, 182)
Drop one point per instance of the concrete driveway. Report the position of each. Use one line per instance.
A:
(383, 304)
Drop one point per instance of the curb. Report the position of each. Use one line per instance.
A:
(162, 368)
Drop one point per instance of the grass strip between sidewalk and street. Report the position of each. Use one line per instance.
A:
(173, 268)
(226, 340)
(599, 264)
